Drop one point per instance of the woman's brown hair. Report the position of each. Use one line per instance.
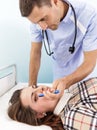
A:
(18, 112)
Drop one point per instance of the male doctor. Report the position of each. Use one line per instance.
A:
(70, 28)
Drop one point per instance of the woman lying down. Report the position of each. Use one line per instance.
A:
(76, 110)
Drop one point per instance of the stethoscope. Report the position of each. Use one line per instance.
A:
(71, 48)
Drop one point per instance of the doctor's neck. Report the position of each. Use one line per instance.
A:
(64, 9)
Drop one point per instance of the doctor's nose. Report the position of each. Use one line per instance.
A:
(43, 25)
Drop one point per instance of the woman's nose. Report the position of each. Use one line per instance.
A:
(43, 25)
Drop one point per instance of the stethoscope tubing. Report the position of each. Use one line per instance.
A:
(71, 48)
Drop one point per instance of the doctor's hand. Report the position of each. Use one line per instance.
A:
(60, 84)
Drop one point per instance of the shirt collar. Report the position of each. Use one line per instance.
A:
(62, 102)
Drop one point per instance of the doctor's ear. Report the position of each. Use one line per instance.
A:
(40, 115)
(54, 1)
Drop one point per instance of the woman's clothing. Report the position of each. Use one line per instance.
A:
(80, 113)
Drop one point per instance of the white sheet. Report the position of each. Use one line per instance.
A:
(5, 122)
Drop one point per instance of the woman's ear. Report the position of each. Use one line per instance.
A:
(40, 115)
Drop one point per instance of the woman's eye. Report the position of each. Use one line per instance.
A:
(35, 98)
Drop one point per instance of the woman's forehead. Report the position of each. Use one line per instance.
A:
(26, 94)
(26, 90)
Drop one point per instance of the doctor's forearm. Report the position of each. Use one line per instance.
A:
(33, 70)
(35, 57)
(82, 71)
(33, 73)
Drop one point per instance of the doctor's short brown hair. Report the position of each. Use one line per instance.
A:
(26, 6)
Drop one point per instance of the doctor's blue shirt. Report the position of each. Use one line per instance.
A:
(65, 63)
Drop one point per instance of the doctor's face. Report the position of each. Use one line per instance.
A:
(30, 97)
(46, 16)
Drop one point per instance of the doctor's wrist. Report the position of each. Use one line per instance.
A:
(68, 82)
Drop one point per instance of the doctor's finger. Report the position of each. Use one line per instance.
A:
(55, 84)
(51, 95)
(58, 86)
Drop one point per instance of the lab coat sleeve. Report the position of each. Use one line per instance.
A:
(35, 33)
(90, 38)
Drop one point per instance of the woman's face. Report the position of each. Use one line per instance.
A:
(30, 97)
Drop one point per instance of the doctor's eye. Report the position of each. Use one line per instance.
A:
(44, 19)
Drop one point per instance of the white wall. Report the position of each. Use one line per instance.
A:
(15, 42)
(13, 37)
